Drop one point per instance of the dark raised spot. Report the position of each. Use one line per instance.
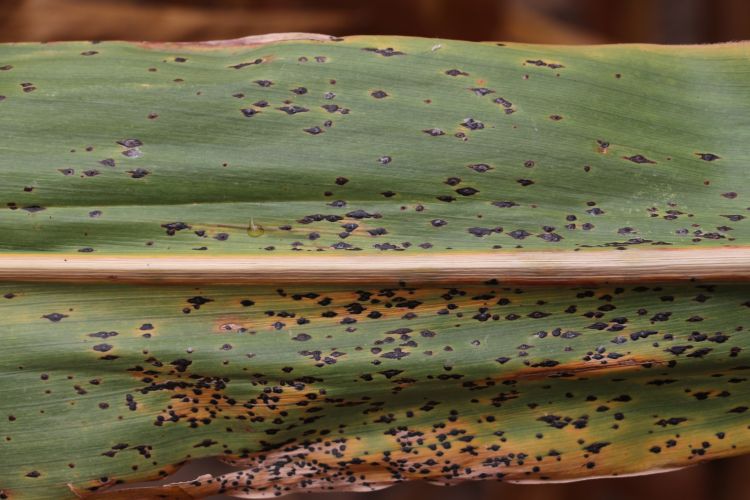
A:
(245, 64)
(708, 156)
(638, 159)
(293, 110)
(386, 52)
(313, 130)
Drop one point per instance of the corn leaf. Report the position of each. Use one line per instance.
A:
(365, 149)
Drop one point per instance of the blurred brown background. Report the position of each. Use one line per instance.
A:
(542, 21)
(552, 21)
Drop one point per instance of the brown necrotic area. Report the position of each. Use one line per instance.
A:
(322, 387)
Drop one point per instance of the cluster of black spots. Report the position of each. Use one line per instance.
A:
(456, 72)
(28, 87)
(379, 94)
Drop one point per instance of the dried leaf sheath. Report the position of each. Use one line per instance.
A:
(381, 147)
